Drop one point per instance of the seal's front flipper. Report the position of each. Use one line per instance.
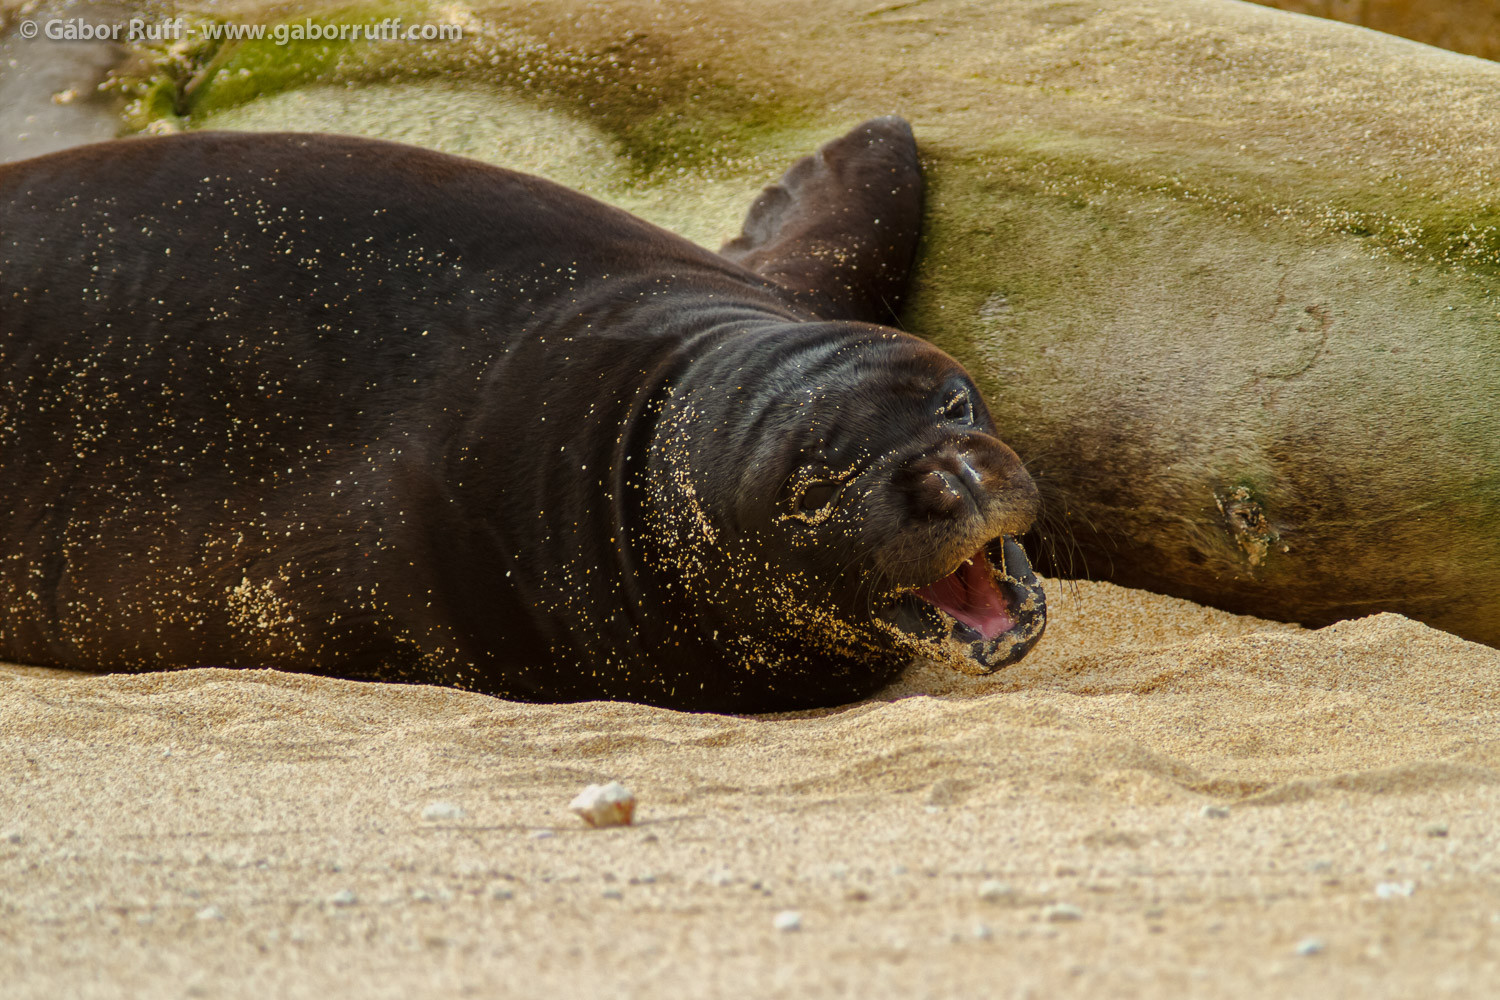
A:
(839, 230)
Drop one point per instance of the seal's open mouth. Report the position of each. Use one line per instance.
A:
(969, 595)
(985, 615)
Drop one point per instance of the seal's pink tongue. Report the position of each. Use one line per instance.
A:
(970, 595)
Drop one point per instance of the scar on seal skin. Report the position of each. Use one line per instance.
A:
(353, 408)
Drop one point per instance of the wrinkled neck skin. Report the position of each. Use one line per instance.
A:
(716, 600)
(745, 590)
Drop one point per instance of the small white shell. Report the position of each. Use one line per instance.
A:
(787, 921)
(442, 810)
(1394, 890)
(995, 891)
(605, 805)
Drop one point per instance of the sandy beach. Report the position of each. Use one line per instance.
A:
(1163, 800)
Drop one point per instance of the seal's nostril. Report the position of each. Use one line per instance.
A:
(942, 494)
(948, 481)
(972, 477)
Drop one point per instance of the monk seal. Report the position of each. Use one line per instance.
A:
(354, 408)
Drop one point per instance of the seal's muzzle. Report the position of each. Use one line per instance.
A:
(991, 608)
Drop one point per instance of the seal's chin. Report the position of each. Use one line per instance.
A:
(985, 615)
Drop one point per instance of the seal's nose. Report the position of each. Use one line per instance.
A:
(975, 475)
(950, 483)
(941, 494)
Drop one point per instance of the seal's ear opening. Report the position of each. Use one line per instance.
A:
(840, 229)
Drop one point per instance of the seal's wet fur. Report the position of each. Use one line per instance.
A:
(355, 408)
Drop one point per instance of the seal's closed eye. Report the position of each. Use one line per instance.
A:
(816, 496)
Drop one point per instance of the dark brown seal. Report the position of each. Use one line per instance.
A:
(354, 408)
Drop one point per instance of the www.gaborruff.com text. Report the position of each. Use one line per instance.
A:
(176, 29)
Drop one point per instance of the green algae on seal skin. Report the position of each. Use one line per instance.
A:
(686, 144)
(503, 127)
(217, 65)
(464, 119)
(244, 69)
(667, 119)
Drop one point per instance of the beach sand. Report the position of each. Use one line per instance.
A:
(1162, 800)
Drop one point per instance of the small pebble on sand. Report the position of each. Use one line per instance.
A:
(442, 810)
(995, 891)
(1394, 890)
(787, 920)
(605, 805)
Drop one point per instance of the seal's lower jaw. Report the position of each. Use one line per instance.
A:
(985, 615)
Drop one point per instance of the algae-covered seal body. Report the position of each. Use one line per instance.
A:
(354, 408)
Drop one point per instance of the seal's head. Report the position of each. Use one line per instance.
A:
(875, 512)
